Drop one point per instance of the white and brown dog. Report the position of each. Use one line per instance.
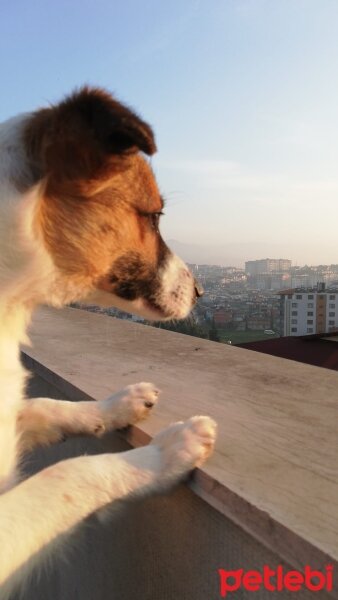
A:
(79, 218)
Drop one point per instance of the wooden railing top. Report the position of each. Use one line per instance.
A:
(274, 470)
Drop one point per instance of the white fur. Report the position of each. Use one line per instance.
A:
(38, 513)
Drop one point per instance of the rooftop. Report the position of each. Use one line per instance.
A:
(308, 290)
(320, 350)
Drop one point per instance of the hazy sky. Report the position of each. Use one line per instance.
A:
(243, 96)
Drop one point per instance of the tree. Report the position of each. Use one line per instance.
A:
(187, 326)
(213, 333)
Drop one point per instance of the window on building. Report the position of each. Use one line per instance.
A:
(332, 314)
(289, 296)
(310, 297)
(332, 297)
(310, 321)
(309, 313)
(331, 322)
(294, 329)
(299, 297)
(332, 306)
(294, 321)
(310, 329)
(294, 313)
(310, 305)
(294, 304)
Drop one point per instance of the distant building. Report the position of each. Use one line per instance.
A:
(310, 276)
(222, 316)
(270, 281)
(267, 265)
(306, 311)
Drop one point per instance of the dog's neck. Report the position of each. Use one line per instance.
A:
(15, 313)
(25, 267)
(13, 325)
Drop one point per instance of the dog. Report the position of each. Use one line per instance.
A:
(79, 219)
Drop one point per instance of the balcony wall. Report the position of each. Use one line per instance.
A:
(268, 496)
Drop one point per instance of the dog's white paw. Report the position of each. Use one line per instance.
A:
(185, 445)
(132, 404)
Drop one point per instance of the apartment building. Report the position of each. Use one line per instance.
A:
(270, 281)
(267, 265)
(306, 311)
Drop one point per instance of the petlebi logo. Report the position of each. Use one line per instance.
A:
(275, 580)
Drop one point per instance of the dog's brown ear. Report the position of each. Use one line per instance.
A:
(85, 136)
(112, 124)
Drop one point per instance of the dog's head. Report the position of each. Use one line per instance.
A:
(99, 209)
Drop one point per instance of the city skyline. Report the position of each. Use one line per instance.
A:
(242, 97)
(197, 254)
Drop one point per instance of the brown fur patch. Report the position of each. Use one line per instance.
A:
(67, 498)
(85, 235)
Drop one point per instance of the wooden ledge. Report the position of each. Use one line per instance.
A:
(274, 470)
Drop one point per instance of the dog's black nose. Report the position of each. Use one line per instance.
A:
(199, 291)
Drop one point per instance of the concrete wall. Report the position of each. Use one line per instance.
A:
(163, 548)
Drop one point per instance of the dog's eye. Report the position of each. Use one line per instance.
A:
(153, 218)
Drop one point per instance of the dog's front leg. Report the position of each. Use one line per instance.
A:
(11, 386)
(43, 421)
(40, 511)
